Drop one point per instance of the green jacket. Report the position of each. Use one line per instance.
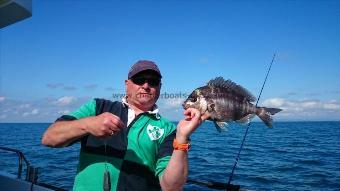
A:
(135, 158)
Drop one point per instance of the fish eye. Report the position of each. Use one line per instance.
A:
(193, 99)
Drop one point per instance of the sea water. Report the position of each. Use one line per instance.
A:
(290, 156)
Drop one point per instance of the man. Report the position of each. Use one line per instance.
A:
(130, 140)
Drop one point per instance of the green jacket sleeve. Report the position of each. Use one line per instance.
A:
(86, 110)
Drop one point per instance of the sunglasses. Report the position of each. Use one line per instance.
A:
(153, 82)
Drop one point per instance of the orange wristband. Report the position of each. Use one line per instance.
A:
(181, 146)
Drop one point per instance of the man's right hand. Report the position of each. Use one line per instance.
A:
(103, 125)
(62, 133)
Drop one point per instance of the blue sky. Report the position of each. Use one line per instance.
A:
(71, 51)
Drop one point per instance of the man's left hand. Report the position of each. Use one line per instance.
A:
(192, 119)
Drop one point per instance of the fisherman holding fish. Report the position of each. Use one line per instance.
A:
(127, 144)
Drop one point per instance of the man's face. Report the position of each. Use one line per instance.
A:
(143, 89)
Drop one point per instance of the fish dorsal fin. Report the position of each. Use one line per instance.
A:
(228, 84)
(221, 126)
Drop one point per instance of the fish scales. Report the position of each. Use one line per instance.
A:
(230, 105)
(225, 101)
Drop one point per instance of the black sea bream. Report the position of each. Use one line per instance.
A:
(225, 101)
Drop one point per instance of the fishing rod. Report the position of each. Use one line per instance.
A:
(245, 134)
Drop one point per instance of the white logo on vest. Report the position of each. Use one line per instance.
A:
(154, 132)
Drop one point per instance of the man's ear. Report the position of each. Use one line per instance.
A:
(126, 84)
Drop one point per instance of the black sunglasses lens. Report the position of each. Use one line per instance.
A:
(151, 81)
(154, 82)
(138, 81)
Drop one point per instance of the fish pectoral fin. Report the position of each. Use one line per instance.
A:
(246, 120)
(221, 126)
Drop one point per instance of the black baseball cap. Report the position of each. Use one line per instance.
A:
(143, 65)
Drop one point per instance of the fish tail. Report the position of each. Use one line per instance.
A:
(265, 114)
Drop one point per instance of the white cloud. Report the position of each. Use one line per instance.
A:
(63, 112)
(274, 102)
(25, 105)
(304, 104)
(171, 108)
(174, 103)
(35, 112)
(6, 110)
(2, 98)
(25, 114)
(66, 100)
(30, 113)
(332, 106)
(41, 110)
(305, 109)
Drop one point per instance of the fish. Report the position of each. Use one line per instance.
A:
(224, 101)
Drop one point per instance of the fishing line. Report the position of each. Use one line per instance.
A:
(106, 178)
(245, 134)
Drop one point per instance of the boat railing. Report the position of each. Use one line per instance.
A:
(31, 172)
